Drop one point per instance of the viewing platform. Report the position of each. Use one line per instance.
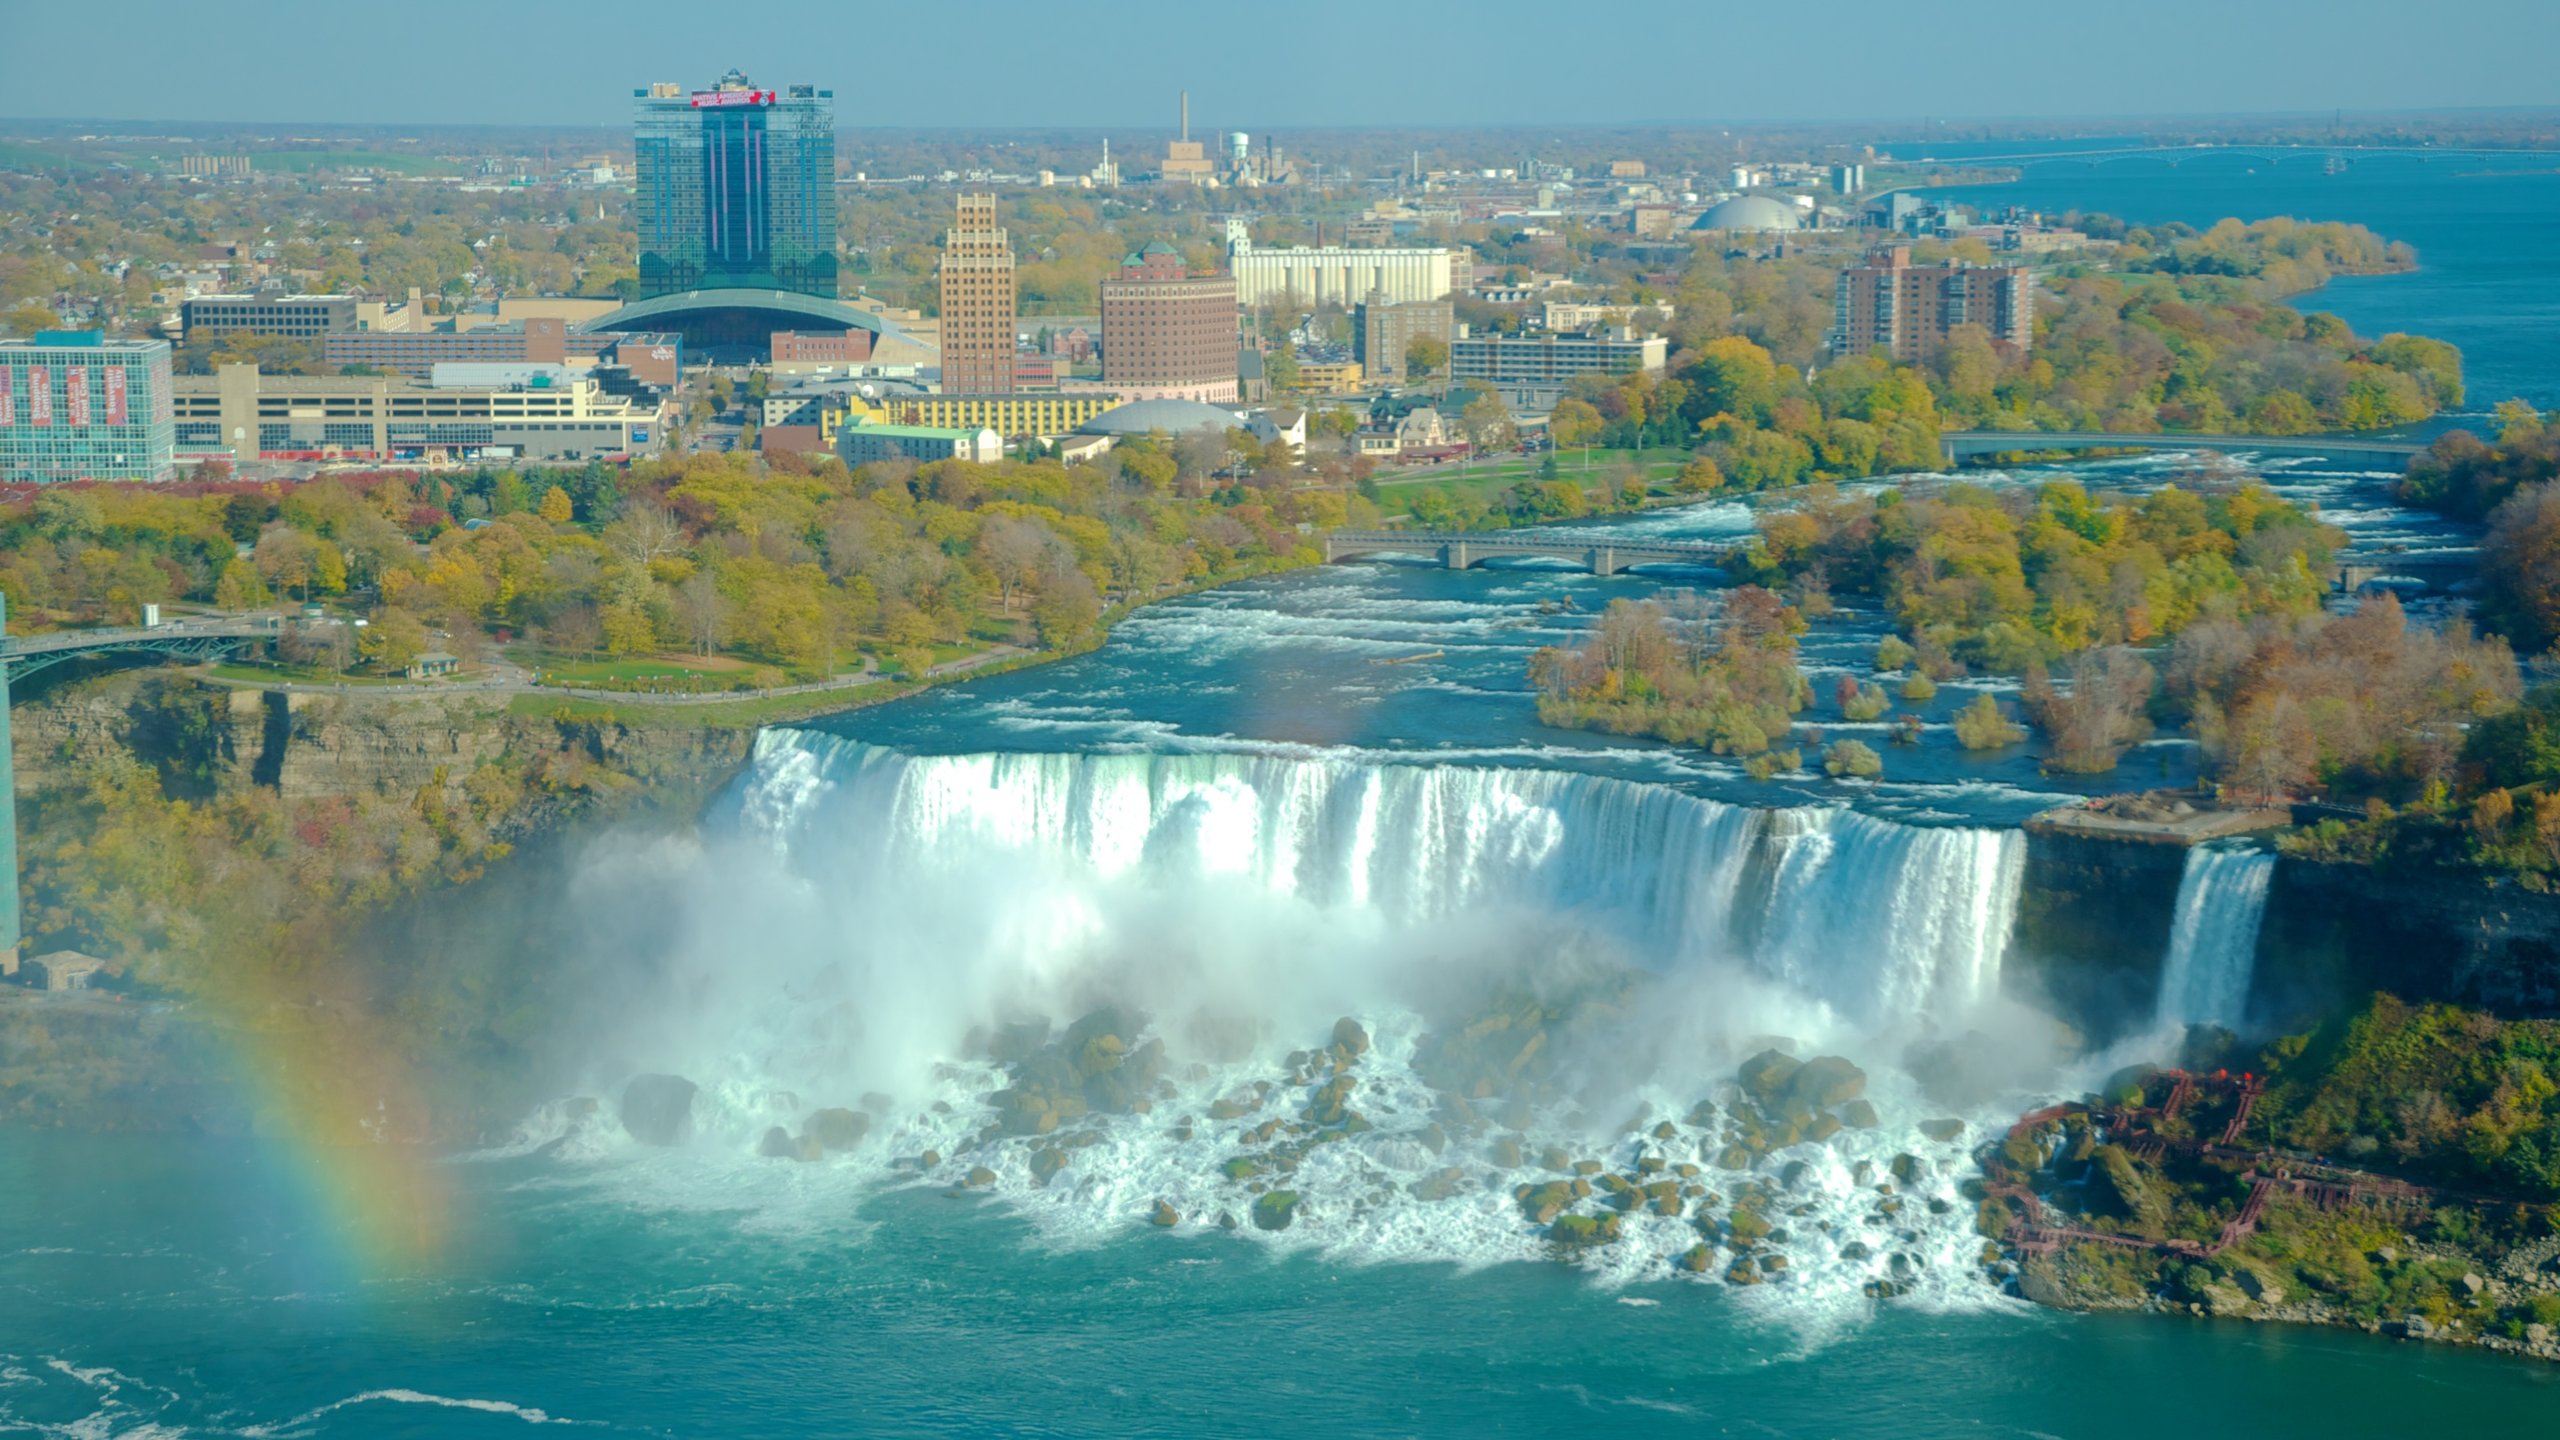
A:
(2157, 817)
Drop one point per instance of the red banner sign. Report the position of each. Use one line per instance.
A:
(720, 99)
(39, 395)
(75, 393)
(114, 380)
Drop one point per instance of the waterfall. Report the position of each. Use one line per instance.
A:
(1879, 921)
(2213, 939)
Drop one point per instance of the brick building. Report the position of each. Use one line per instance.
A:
(1167, 333)
(978, 322)
(1909, 310)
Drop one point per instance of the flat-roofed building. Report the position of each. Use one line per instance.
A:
(1908, 310)
(837, 347)
(1531, 371)
(869, 444)
(75, 405)
(1383, 332)
(299, 317)
(544, 414)
(1031, 413)
(1309, 275)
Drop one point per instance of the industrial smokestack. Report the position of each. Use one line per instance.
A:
(1186, 114)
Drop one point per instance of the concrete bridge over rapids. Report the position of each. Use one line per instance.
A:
(21, 657)
(1961, 445)
(1601, 555)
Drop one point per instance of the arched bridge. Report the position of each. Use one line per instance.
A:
(184, 640)
(1961, 445)
(2436, 569)
(1602, 555)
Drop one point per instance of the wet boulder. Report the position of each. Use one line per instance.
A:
(1046, 1162)
(1275, 1210)
(1585, 1230)
(658, 1109)
(1353, 1039)
(1942, 1131)
(836, 1128)
(1825, 1081)
(1164, 1216)
(1859, 1115)
(1765, 1076)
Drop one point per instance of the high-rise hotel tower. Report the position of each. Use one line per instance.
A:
(978, 322)
(736, 188)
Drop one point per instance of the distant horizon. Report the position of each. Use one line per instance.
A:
(1339, 65)
(2066, 126)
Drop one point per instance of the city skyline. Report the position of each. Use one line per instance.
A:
(1875, 61)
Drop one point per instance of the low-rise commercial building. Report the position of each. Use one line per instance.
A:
(1530, 372)
(840, 347)
(653, 359)
(1037, 413)
(870, 444)
(1328, 377)
(300, 317)
(1383, 332)
(75, 405)
(545, 415)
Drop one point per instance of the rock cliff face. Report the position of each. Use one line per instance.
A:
(2335, 932)
(2094, 918)
(2093, 928)
(203, 738)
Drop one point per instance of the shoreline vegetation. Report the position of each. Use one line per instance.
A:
(2394, 1169)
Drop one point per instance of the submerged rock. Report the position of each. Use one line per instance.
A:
(1275, 1210)
(658, 1109)
(1942, 1130)
(779, 1144)
(837, 1129)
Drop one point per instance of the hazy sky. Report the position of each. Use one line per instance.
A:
(1293, 63)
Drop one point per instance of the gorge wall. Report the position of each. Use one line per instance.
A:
(203, 737)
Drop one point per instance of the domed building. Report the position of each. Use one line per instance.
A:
(1750, 213)
(1162, 416)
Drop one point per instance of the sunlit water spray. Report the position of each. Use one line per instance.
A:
(861, 925)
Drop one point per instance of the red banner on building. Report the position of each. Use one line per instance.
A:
(75, 393)
(39, 394)
(8, 396)
(114, 381)
(723, 99)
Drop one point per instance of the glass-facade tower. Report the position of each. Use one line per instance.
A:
(737, 188)
(75, 405)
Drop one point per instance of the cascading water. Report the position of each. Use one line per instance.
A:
(2213, 937)
(878, 914)
(1874, 918)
